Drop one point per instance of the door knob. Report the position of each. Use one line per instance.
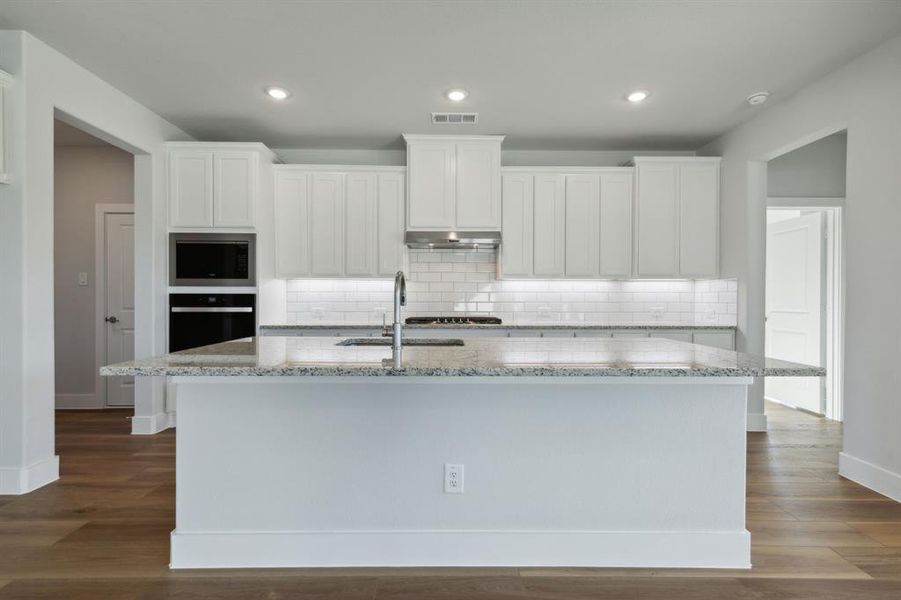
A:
(111, 319)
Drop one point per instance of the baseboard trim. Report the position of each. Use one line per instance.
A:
(647, 549)
(869, 475)
(22, 480)
(77, 402)
(149, 424)
(756, 422)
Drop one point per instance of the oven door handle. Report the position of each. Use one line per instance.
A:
(211, 309)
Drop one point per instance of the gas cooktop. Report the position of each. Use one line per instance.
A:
(458, 320)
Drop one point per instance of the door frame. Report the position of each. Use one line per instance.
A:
(100, 212)
(833, 316)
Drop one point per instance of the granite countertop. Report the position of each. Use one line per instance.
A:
(485, 357)
(532, 326)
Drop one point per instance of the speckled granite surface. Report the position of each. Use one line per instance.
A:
(286, 329)
(485, 357)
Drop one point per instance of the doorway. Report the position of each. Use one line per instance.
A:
(803, 318)
(93, 269)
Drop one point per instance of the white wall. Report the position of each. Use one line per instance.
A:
(46, 81)
(463, 282)
(816, 170)
(863, 97)
(84, 176)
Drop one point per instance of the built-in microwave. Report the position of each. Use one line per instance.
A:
(212, 259)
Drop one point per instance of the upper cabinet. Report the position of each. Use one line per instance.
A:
(339, 221)
(5, 80)
(453, 182)
(214, 185)
(572, 223)
(677, 217)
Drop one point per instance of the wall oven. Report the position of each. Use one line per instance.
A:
(216, 259)
(203, 319)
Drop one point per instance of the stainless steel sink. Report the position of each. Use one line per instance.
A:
(386, 341)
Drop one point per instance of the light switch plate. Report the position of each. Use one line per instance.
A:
(82, 279)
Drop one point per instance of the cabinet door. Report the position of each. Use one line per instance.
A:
(235, 188)
(656, 220)
(516, 226)
(432, 185)
(549, 225)
(360, 224)
(478, 185)
(292, 211)
(327, 225)
(616, 225)
(677, 336)
(698, 219)
(190, 188)
(582, 220)
(718, 339)
(390, 229)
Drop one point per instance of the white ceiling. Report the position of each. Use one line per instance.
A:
(549, 74)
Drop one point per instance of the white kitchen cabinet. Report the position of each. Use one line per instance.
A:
(615, 224)
(327, 225)
(549, 225)
(360, 223)
(292, 211)
(215, 185)
(454, 182)
(677, 217)
(517, 225)
(579, 227)
(338, 221)
(678, 336)
(5, 80)
(655, 212)
(190, 188)
(390, 224)
(582, 226)
(478, 173)
(234, 188)
(699, 219)
(718, 339)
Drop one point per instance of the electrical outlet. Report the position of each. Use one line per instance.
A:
(318, 313)
(453, 479)
(657, 311)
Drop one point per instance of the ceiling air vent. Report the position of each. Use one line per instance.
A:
(455, 118)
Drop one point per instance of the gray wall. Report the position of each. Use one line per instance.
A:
(84, 177)
(863, 98)
(816, 170)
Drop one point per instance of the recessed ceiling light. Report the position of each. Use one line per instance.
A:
(637, 96)
(758, 98)
(277, 93)
(457, 95)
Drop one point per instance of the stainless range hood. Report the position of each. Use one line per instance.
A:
(455, 240)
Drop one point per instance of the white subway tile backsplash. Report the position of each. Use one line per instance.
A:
(455, 281)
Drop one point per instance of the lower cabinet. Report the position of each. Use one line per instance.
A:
(334, 223)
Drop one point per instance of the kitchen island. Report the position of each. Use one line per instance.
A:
(501, 452)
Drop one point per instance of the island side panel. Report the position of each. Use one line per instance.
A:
(305, 472)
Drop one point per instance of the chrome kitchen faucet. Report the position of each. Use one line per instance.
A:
(400, 299)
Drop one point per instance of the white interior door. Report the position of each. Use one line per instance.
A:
(119, 260)
(794, 300)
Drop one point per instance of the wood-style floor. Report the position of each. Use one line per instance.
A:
(102, 532)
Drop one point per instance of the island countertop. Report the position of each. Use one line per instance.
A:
(479, 357)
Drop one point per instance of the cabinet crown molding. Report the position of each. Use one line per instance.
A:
(676, 159)
(424, 137)
(297, 167)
